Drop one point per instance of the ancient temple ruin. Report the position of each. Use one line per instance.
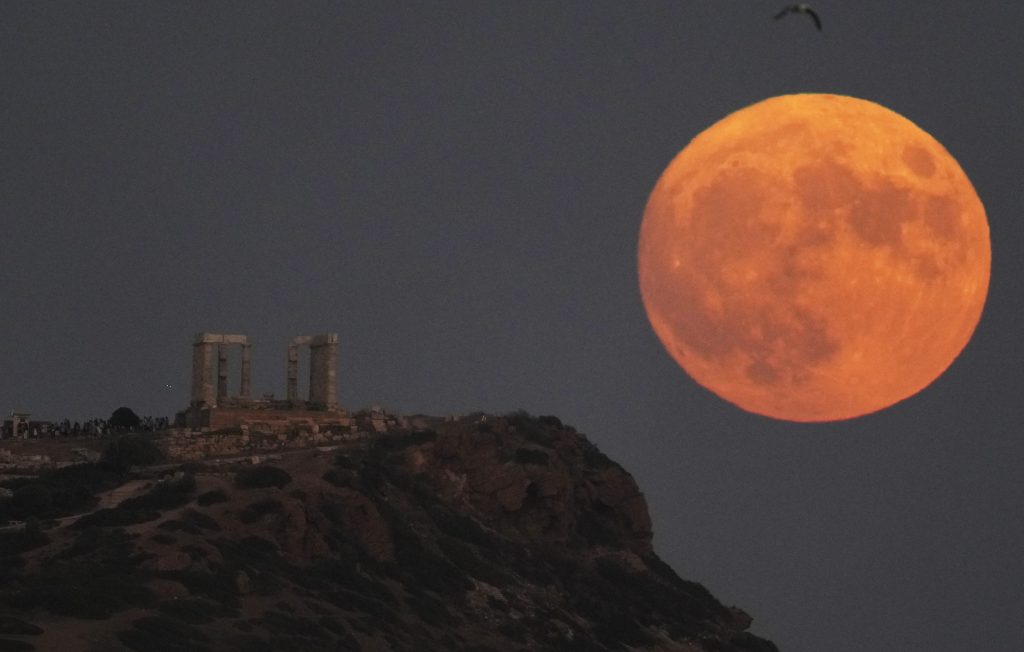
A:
(203, 348)
(323, 372)
(213, 407)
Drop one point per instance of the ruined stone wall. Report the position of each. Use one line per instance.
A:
(271, 420)
(251, 438)
(186, 445)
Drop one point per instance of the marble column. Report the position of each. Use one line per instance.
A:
(245, 388)
(202, 368)
(323, 371)
(222, 373)
(293, 373)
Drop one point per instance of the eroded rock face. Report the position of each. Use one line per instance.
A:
(545, 483)
(492, 533)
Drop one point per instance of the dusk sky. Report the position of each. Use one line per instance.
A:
(456, 189)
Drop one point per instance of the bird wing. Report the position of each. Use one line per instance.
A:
(782, 13)
(814, 16)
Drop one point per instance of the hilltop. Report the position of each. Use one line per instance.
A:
(484, 534)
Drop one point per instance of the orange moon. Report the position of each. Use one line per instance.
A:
(814, 258)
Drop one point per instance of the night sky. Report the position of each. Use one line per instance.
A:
(456, 188)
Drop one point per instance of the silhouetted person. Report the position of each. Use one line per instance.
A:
(800, 9)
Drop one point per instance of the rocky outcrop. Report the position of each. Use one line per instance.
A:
(483, 533)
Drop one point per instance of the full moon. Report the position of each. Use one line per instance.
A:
(814, 258)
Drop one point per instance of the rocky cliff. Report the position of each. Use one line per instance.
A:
(486, 533)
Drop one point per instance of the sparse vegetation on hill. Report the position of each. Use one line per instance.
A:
(259, 477)
(132, 450)
(57, 493)
(488, 534)
(166, 495)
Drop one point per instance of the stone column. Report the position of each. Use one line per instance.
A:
(222, 373)
(202, 359)
(293, 373)
(323, 371)
(245, 387)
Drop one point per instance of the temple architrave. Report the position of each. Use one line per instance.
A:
(213, 408)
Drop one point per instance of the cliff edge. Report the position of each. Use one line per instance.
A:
(486, 534)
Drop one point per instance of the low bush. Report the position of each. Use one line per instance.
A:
(332, 573)
(340, 478)
(77, 590)
(165, 495)
(218, 586)
(465, 558)
(57, 493)
(424, 569)
(533, 428)
(163, 634)
(116, 517)
(531, 456)
(550, 421)
(462, 527)
(132, 450)
(11, 626)
(169, 628)
(194, 611)
(277, 622)
(32, 499)
(191, 522)
(258, 510)
(261, 477)
(211, 498)
(15, 542)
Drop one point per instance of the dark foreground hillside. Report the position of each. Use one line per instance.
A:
(510, 533)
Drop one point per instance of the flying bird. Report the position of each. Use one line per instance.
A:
(800, 9)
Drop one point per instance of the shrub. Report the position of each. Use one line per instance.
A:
(344, 461)
(194, 611)
(57, 493)
(163, 634)
(169, 628)
(747, 642)
(277, 622)
(428, 570)
(93, 590)
(9, 625)
(533, 428)
(422, 436)
(339, 478)
(260, 477)
(34, 499)
(191, 522)
(12, 645)
(463, 556)
(132, 450)
(17, 541)
(531, 456)
(169, 494)
(462, 527)
(520, 419)
(219, 587)
(257, 510)
(551, 421)
(211, 498)
(332, 573)
(595, 458)
(124, 418)
(116, 517)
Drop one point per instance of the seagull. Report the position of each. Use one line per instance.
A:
(800, 9)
